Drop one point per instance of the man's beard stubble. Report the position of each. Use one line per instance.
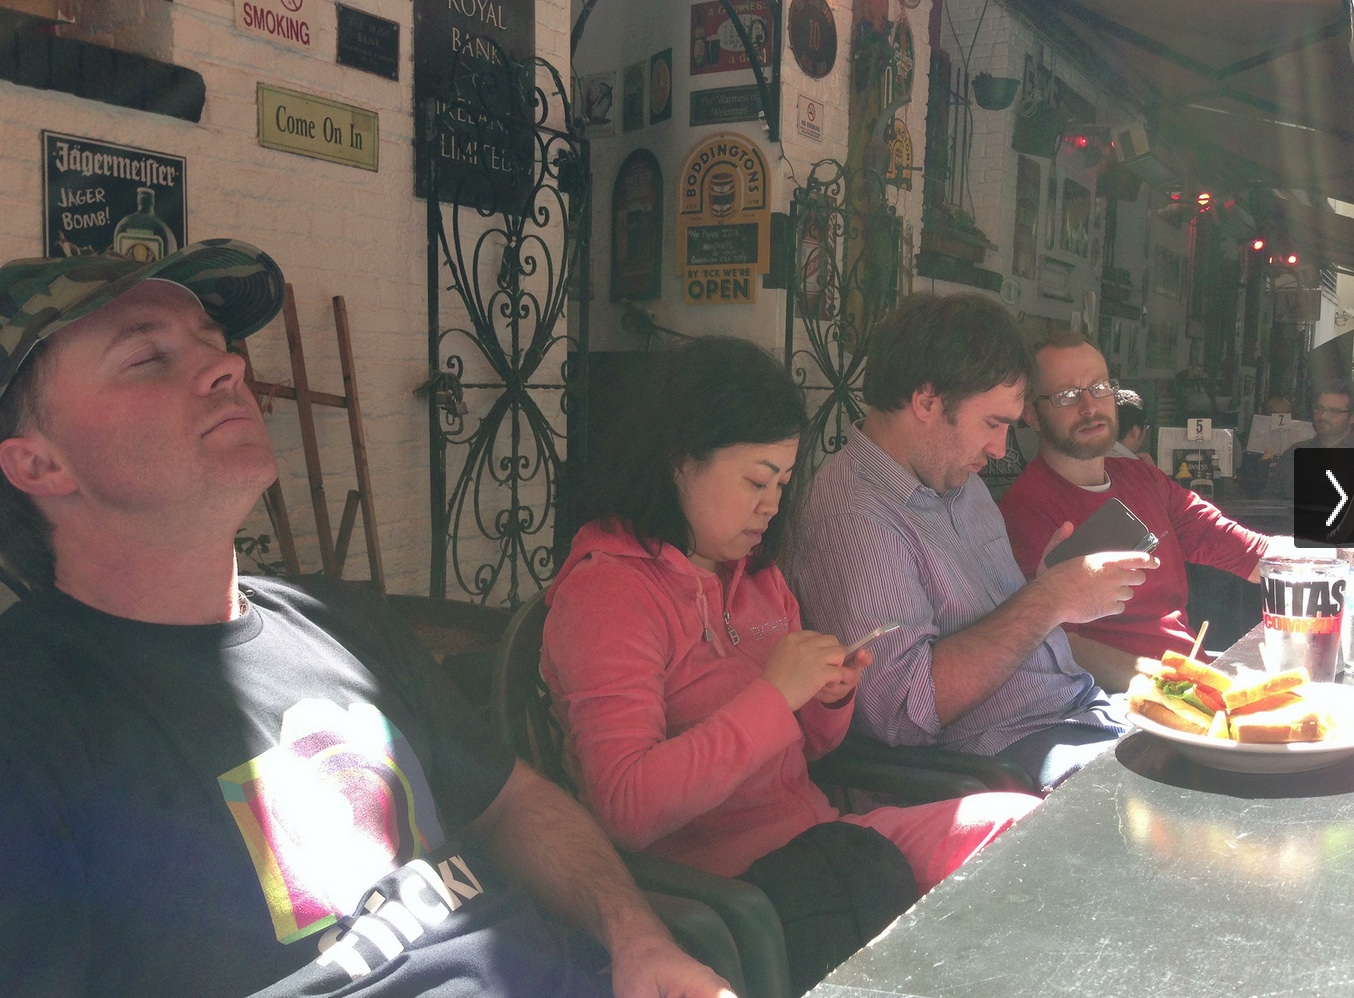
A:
(1085, 451)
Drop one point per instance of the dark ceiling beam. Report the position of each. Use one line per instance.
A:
(1307, 39)
(1052, 11)
(1046, 16)
(1108, 26)
(1276, 111)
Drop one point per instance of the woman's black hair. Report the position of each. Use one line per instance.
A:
(710, 393)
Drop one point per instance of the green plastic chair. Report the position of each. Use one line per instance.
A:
(915, 774)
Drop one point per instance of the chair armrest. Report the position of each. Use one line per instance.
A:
(700, 931)
(746, 910)
(916, 773)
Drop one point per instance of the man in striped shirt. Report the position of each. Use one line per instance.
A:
(898, 527)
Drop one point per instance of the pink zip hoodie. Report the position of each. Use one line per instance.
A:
(680, 747)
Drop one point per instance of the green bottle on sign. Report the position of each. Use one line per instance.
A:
(142, 235)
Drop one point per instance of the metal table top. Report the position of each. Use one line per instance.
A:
(1144, 874)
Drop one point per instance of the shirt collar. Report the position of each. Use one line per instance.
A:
(878, 467)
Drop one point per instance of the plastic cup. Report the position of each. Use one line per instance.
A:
(1304, 601)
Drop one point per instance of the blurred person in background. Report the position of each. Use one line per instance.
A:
(1133, 426)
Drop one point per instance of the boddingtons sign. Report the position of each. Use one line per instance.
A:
(723, 221)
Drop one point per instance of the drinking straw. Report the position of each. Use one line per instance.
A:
(1199, 640)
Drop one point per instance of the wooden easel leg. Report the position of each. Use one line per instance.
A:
(276, 506)
(345, 349)
(309, 445)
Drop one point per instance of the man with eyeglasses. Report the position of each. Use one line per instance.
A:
(1332, 421)
(1074, 412)
(899, 528)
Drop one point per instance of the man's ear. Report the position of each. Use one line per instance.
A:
(926, 404)
(1030, 415)
(32, 466)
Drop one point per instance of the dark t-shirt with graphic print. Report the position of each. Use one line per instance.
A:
(270, 803)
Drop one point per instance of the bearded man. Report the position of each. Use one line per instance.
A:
(1073, 410)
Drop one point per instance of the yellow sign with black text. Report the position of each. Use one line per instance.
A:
(319, 128)
(723, 221)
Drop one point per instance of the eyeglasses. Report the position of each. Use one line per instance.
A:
(1070, 396)
(1326, 410)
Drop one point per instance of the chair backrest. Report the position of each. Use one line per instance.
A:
(519, 701)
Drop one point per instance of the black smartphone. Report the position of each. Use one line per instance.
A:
(1112, 527)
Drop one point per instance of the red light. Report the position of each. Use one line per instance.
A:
(1080, 141)
(1175, 195)
(1204, 199)
(1291, 259)
(1257, 244)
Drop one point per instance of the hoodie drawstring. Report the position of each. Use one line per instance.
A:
(703, 608)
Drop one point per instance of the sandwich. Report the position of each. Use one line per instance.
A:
(1191, 696)
(1183, 693)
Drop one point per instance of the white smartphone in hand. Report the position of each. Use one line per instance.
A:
(878, 632)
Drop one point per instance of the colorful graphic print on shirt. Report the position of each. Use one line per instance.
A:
(338, 804)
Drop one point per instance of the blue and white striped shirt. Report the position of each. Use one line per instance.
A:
(875, 545)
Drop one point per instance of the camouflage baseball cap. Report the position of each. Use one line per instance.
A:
(239, 286)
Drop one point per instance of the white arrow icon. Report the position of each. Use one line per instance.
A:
(1344, 498)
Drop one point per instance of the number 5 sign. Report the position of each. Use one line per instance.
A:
(1198, 429)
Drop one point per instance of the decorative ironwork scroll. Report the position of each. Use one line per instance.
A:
(501, 383)
(852, 258)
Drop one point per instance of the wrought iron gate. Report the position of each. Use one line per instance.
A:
(508, 244)
(852, 263)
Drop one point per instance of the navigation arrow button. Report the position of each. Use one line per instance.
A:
(1344, 498)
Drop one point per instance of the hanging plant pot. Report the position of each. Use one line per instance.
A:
(994, 93)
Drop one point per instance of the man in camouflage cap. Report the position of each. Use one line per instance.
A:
(216, 786)
(239, 286)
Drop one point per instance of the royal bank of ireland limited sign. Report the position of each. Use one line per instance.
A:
(475, 59)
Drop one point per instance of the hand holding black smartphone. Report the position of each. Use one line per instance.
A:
(1112, 527)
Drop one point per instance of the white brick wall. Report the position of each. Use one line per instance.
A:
(334, 229)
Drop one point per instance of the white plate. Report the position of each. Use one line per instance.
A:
(1292, 757)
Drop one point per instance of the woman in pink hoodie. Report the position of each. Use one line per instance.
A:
(690, 695)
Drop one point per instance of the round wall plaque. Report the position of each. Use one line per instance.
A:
(813, 37)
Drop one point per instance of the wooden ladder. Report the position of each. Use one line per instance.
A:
(333, 550)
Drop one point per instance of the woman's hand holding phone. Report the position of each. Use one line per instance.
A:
(856, 663)
(805, 663)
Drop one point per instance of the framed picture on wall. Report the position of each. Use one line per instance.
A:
(1167, 273)
(1055, 279)
(632, 96)
(1076, 228)
(1024, 245)
(637, 228)
(1161, 353)
(595, 100)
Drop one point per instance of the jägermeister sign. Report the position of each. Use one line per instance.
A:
(474, 58)
(98, 196)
